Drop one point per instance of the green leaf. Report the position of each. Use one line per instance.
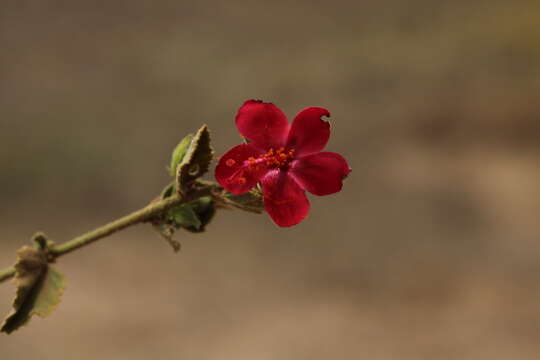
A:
(184, 216)
(201, 204)
(178, 154)
(205, 209)
(196, 160)
(39, 288)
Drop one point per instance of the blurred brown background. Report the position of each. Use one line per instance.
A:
(430, 252)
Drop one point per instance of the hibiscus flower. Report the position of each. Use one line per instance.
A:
(285, 159)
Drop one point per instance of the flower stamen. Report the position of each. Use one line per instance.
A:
(274, 158)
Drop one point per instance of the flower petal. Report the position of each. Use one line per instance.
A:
(233, 173)
(284, 200)
(264, 124)
(309, 133)
(320, 173)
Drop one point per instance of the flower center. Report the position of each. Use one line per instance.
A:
(274, 158)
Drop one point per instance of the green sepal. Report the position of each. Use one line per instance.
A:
(184, 216)
(178, 154)
(251, 201)
(205, 209)
(193, 216)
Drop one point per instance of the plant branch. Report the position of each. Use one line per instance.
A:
(7, 274)
(145, 214)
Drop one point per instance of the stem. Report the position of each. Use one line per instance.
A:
(139, 216)
(7, 274)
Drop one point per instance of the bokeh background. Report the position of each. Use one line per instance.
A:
(430, 252)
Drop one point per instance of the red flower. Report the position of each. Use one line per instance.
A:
(285, 158)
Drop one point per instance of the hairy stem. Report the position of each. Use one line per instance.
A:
(147, 213)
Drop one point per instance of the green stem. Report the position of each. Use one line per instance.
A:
(148, 212)
(7, 274)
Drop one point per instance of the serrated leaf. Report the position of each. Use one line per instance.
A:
(39, 288)
(50, 294)
(178, 154)
(196, 160)
(185, 216)
(251, 201)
